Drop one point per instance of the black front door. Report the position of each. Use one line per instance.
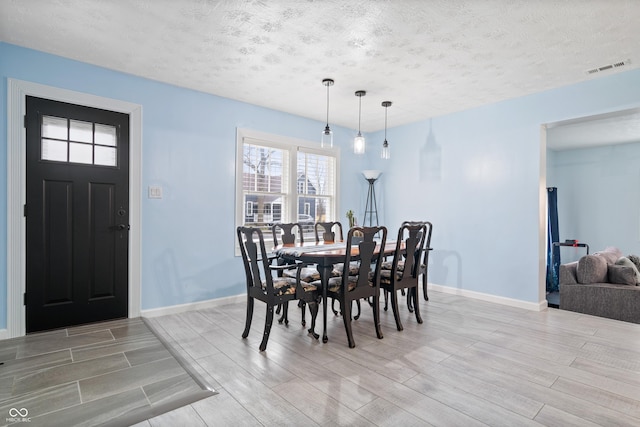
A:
(77, 214)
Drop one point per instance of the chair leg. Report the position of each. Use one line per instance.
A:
(409, 302)
(424, 286)
(414, 294)
(303, 306)
(313, 308)
(285, 312)
(396, 313)
(278, 309)
(333, 308)
(386, 300)
(267, 328)
(376, 315)
(357, 316)
(247, 324)
(346, 317)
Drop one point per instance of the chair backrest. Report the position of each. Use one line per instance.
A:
(370, 255)
(411, 240)
(257, 265)
(426, 248)
(288, 233)
(328, 230)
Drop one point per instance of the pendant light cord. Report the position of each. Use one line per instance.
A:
(385, 124)
(327, 105)
(359, 113)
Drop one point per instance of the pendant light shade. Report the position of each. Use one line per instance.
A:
(386, 151)
(358, 141)
(327, 135)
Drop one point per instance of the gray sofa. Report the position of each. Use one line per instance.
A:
(603, 284)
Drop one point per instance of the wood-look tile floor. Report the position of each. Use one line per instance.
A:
(470, 363)
(109, 373)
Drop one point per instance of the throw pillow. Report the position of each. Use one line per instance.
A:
(592, 269)
(628, 263)
(635, 259)
(610, 253)
(622, 275)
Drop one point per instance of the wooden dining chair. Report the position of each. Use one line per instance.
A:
(424, 262)
(328, 232)
(347, 288)
(264, 284)
(291, 233)
(404, 270)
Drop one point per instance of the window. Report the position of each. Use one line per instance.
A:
(75, 141)
(283, 180)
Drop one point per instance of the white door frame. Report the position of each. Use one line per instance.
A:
(17, 91)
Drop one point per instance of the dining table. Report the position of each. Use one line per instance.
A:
(324, 255)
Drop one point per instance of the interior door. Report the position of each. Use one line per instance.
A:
(77, 214)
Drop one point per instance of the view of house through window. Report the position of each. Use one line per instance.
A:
(284, 182)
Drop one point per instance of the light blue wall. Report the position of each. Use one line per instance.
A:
(189, 141)
(598, 197)
(474, 174)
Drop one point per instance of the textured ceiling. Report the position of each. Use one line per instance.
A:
(430, 57)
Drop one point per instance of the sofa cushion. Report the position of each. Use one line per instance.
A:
(592, 269)
(568, 273)
(622, 275)
(626, 262)
(610, 253)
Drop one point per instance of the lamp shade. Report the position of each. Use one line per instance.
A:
(358, 144)
(371, 173)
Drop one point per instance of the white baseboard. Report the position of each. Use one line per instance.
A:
(4, 334)
(542, 305)
(200, 305)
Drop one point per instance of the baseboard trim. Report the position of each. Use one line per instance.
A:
(200, 305)
(540, 306)
(4, 334)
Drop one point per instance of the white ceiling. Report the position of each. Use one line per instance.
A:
(430, 57)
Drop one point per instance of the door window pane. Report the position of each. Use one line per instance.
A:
(54, 127)
(80, 153)
(54, 150)
(105, 135)
(80, 131)
(78, 141)
(105, 156)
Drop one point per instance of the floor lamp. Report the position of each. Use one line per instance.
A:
(371, 207)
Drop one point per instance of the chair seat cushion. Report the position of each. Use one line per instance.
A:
(335, 283)
(307, 274)
(282, 286)
(387, 265)
(287, 286)
(354, 267)
(385, 276)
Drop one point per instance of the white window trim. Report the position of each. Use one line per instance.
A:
(286, 143)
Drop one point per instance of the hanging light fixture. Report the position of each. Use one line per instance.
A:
(386, 152)
(327, 135)
(358, 141)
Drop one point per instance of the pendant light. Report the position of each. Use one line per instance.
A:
(358, 141)
(327, 135)
(386, 152)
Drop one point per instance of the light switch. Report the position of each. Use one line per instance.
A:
(155, 192)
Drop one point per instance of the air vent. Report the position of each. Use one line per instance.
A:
(609, 67)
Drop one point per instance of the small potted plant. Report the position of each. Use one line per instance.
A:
(357, 236)
(351, 218)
